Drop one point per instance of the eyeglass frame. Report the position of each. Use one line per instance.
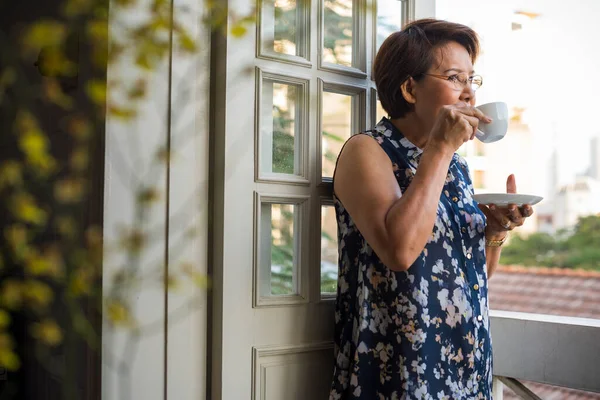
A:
(469, 79)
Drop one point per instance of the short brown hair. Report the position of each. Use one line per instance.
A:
(410, 53)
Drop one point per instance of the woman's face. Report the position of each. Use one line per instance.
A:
(431, 93)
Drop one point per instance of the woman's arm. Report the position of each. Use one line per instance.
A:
(493, 251)
(396, 225)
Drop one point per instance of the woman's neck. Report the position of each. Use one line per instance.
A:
(413, 129)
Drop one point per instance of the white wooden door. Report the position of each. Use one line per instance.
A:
(285, 97)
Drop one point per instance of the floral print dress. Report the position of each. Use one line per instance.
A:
(423, 333)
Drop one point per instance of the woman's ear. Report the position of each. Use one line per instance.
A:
(408, 91)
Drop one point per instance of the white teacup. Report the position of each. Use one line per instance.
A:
(496, 130)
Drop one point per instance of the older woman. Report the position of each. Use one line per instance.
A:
(415, 249)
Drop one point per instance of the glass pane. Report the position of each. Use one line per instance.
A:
(279, 128)
(337, 128)
(329, 250)
(337, 32)
(286, 23)
(550, 265)
(282, 252)
(389, 19)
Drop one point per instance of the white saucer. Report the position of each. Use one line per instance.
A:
(504, 199)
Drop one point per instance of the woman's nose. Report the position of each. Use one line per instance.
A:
(468, 95)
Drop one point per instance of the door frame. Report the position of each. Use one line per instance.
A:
(225, 199)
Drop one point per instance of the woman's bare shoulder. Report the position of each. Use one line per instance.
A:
(361, 158)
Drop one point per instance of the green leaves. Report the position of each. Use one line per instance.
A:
(49, 243)
(238, 30)
(11, 174)
(96, 90)
(47, 331)
(43, 34)
(34, 144)
(26, 208)
(577, 249)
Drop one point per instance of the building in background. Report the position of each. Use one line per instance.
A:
(578, 199)
(534, 149)
(594, 170)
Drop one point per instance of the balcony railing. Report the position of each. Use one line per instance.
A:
(560, 351)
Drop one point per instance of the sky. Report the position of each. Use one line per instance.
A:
(551, 67)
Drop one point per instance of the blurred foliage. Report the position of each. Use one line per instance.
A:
(283, 140)
(578, 247)
(52, 252)
(338, 28)
(282, 249)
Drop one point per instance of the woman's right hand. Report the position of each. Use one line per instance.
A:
(454, 125)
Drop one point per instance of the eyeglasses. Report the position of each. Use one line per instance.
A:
(460, 81)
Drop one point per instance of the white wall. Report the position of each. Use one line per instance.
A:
(169, 359)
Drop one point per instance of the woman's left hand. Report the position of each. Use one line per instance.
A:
(500, 220)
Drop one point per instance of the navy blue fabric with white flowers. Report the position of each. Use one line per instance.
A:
(423, 333)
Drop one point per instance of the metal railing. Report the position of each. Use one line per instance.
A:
(517, 387)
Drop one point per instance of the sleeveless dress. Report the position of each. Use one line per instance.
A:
(423, 333)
